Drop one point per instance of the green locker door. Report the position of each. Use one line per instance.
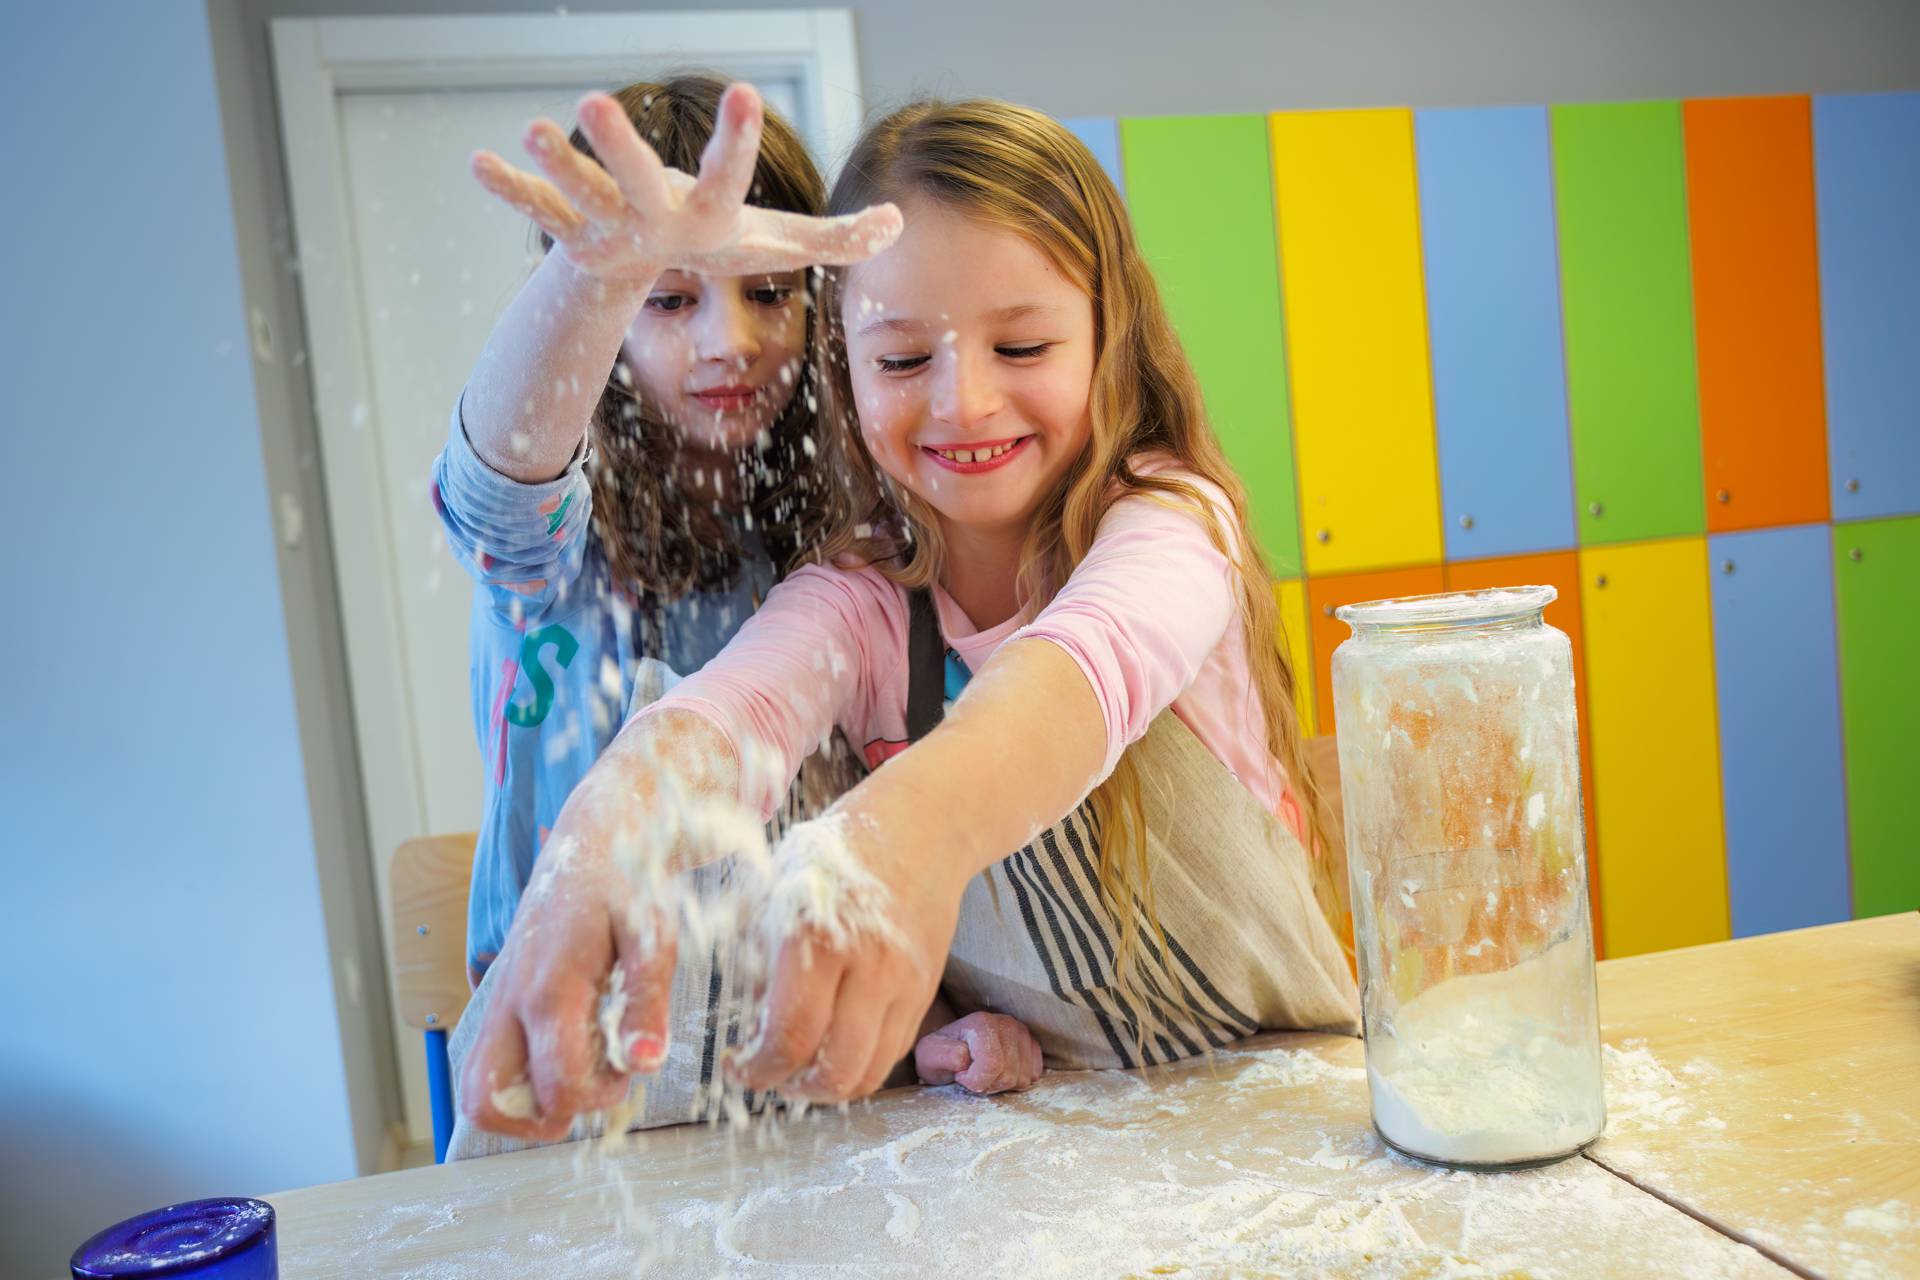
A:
(1876, 579)
(1627, 294)
(1201, 192)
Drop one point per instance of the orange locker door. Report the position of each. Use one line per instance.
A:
(1324, 595)
(1756, 306)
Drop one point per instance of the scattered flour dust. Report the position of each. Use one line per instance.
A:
(1260, 1161)
(1890, 1216)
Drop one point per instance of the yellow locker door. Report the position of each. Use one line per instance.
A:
(1291, 594)
(1656, 745)
(1356, 320)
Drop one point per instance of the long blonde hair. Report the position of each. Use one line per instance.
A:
(1011, 167)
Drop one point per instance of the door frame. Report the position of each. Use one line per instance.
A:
(316, 61)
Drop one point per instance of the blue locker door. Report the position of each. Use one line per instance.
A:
(1101, 134)
(1493, 322)
(1866, 165)
(1782, 770)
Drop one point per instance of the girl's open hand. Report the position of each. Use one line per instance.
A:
(629, 217)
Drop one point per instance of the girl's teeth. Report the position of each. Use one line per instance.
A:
(974, 455)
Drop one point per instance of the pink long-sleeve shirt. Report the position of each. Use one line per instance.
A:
(1151, 616)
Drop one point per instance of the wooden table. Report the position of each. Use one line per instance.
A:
(1764, 1100)
(1792, 1087)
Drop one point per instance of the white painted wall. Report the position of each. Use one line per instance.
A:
(168, 1019)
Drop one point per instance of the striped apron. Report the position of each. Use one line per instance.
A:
(1246, 946)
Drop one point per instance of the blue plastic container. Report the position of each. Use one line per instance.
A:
(207, 1239)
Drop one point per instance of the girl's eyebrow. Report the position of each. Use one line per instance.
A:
(1020, 311)
(899, 324)
(889, 324)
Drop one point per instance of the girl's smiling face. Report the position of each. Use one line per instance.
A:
(971, 360)
(717, 358)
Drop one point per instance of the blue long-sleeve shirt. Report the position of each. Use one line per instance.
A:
(556, 656)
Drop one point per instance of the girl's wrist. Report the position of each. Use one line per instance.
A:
(625, 290)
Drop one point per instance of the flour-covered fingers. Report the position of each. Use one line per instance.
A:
(584, 183)
(633, 165)
(727, 163)
(828, 242)
(645, 950)
(565, 1063)
(795, 1018)
(532, 198)
(847, 1052)
(494, 1090)
(939, 1057)
(1004, 1053)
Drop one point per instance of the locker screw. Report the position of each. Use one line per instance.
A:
(433, 1019)
(1853, 486)
(1596, 509)
(1324, 536)
(1725, 496)
(1600, 581)
(1328, 609)
(420, 929)
(1855, 555)
(1466, 522)
(1726, 566)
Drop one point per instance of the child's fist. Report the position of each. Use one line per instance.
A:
(982, 1053)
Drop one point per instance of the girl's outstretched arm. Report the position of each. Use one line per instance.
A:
(616, 226)
(1022, 746)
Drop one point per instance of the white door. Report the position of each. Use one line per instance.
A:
(405, 264)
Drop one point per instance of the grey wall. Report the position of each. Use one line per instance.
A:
(170, 1021)
(1147, 57)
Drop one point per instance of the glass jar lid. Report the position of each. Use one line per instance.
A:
(1450, 609)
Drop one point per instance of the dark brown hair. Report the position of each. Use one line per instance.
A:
(660, 541)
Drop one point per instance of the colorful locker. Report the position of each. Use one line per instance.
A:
(1324, 595)
(1776, 674)
(1756, 301)
(1866, 159)
(1619, 183)
(1493, 312)
(1656, 758)
(1200, 192)
(1561, 571)
(1291, 596)
(1876, 572)
(1357, 338)
(1101, 134)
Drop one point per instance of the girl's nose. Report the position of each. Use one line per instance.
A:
(725, 332)
(965, 394)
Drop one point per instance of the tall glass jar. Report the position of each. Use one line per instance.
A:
(1460, 769)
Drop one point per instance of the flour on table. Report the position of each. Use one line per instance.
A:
(1258, 1162)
